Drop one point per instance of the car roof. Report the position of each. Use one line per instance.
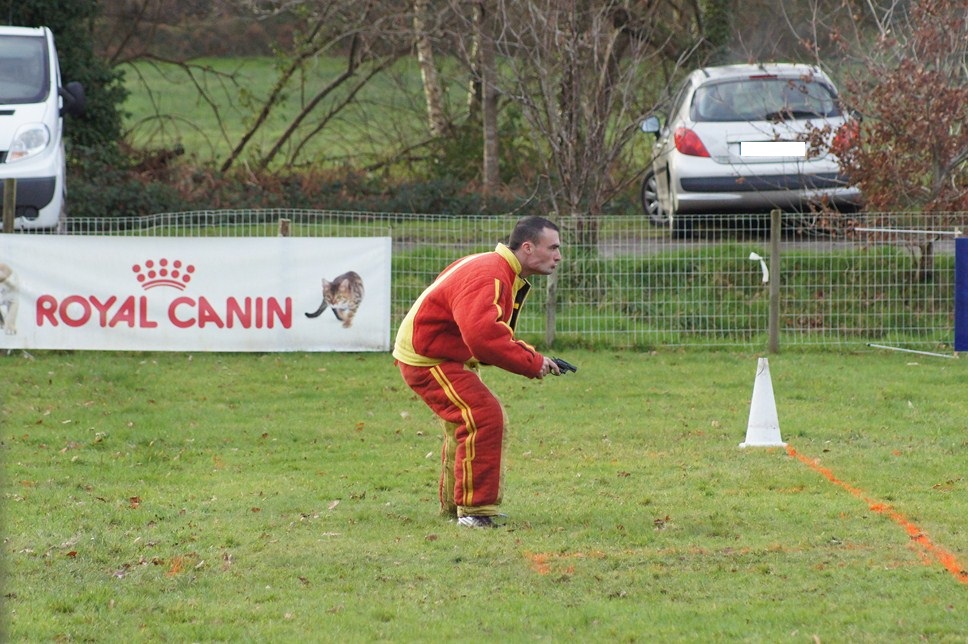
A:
(794, 70)
(6, 30)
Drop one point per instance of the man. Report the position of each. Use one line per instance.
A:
(464, 319)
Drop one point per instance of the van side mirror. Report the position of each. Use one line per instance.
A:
(651, 125)
(74, 100)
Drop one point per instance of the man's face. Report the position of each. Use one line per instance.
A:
(541, 258)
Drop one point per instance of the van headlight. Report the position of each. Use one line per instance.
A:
(30, 140)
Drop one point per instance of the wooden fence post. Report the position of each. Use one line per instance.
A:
(9, 204)
(776, 232)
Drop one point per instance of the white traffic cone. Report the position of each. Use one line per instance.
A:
(763, 429)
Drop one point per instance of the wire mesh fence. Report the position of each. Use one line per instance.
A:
(625, 284)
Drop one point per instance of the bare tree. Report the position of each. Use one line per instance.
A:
(312, 44)
(576, 67)
(582, 72)
(371, 36)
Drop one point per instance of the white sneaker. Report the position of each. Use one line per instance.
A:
(482, 522)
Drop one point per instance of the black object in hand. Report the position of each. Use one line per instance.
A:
(565, 366)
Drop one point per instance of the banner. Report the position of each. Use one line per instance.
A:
(174, 294)
(961, 294)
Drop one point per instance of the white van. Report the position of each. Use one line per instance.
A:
(32, 104)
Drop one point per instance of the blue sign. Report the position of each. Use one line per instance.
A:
(961, 294)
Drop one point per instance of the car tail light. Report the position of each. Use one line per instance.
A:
(687, 142)
(847, 136)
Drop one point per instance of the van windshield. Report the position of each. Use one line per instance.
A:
(24, 76)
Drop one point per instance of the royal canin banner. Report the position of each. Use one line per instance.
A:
(174, 294)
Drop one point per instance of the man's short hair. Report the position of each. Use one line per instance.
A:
(529, 229)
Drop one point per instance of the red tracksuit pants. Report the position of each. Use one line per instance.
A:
(474, 420)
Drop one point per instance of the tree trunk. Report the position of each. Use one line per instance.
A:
(489, 104)
(433, 90)
(474, 61)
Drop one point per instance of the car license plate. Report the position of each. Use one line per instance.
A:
(773, 149)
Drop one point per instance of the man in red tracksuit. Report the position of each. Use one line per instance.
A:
(464, 319)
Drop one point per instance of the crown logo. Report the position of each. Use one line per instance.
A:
(163, 272)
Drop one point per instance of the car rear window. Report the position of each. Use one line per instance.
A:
(764, 99)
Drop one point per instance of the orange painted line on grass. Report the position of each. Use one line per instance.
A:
(942, 556)
(541, 561)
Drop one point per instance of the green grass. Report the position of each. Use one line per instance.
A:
(292, 497)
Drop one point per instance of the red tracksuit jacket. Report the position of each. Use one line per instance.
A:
(468, 315)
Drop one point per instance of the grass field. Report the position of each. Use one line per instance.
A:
(292, 497)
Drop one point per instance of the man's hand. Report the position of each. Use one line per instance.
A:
(549, 366)
(557, 366)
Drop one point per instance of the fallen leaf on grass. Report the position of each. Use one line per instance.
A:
(176, 567)
(179, 563)
(947, 485)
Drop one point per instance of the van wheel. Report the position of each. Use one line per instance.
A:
(651, 205)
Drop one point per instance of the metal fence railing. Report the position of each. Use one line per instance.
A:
(862, 279)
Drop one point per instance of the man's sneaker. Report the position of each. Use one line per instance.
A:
(481, 522)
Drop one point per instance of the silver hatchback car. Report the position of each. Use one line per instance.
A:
(743, 139)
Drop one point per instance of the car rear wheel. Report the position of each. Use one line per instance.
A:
(651, 205)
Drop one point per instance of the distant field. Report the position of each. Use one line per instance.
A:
(165, 107)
